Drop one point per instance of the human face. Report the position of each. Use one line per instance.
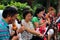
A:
(28, 17)
(40, 14)
(52, 13)
(12, 19)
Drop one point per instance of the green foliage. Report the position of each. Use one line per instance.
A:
(2, 7)
(19, 6)
(35, 7)
(5, 2)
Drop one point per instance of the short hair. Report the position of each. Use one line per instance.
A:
(50, 9)
(9, 11)
(25, 12)
(39, 9)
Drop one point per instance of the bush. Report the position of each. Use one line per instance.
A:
(19, 6)
(35, 7)
(2, 7)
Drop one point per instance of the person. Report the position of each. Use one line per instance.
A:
(39, 21)
(16, 28)
(58, 17)
(58, 21)
(8, 16)
(29, 29)
(37, 16)
(50, 16)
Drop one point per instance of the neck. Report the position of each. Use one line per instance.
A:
(5, 20)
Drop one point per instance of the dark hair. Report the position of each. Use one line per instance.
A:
(25, 12)
(39, 9)
(9, 11)
(26, 9)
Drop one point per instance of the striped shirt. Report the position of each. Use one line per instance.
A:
(4, 31)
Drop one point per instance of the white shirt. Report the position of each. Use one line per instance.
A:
(50, 32)
(18, 26)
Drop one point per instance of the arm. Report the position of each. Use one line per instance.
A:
(35, 21)
(33, 32)
(36, 24)
(47, 18)
(49, 37)
(15, 38)
(50, 33)
(21, 29)
(42, 23)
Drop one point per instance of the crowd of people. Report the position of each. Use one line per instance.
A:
(40, 25)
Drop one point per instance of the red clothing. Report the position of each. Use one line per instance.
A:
(58, 27)
(42, 29)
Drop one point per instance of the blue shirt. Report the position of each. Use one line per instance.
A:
(4, 31)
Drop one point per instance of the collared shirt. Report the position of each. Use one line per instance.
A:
(18, 27)
(4, 31)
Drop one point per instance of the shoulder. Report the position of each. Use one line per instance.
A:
(31, 22)
(1, 22)
(34, 18)
(2, 26)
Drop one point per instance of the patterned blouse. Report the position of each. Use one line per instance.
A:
(26, 35)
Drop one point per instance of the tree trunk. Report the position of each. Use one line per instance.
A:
(48, 4)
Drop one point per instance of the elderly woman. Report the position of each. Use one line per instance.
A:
(29, 29)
